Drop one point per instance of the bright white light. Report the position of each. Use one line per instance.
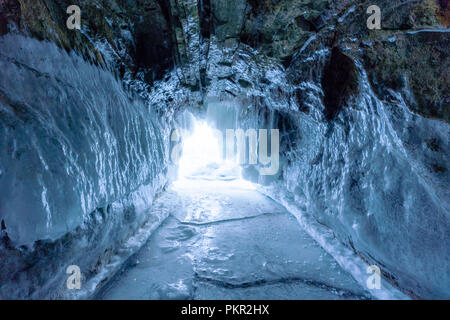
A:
(202, 158)
(201, 151)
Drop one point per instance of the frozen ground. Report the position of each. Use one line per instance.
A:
(225, 240)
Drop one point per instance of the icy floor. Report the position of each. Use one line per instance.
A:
(225, 240)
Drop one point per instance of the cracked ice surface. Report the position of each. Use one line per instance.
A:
(225, 240)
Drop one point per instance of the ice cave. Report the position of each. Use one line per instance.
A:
(224, 150)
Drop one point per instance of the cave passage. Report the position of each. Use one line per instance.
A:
(337, 184)
(225, 240)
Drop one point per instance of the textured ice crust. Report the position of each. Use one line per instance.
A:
(71, 140)
(80, 164)
(377, 175)
(345, 256)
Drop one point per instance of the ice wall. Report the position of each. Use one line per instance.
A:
(376, 174)
(81, 161)
(71, 140)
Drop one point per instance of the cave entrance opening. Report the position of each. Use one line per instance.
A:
(203, 155)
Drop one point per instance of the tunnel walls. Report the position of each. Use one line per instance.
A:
(363, 118)
(82, 160)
